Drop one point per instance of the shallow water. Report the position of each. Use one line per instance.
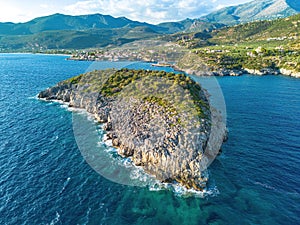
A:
(44, 179)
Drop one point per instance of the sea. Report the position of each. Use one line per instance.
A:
(45, 178)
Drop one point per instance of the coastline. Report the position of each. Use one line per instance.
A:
(210, 72)
(207, 72)
(32, 53)
(234, 72)
(168, 144)
(59, 54)
(155, 184)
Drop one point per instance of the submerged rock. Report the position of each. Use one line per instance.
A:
(161, 120)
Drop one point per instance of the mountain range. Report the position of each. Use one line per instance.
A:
(60, 31)
(253, 11)
(67, 22)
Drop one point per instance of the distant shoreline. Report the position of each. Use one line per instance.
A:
(219, 73)
(32, 53)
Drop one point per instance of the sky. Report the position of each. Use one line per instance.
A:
(151, 11)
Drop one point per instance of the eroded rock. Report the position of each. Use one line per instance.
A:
(152, 119)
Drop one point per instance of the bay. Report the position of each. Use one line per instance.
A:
(44, 179)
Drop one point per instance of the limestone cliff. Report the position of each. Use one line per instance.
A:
(162, 121)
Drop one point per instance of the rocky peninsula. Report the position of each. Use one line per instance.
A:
(161, 121)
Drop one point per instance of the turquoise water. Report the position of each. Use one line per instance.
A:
(45, 180)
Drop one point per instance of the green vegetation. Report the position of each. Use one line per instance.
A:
(162, 102)
(59, 31)
(121, 78)
(257, 45)
(69, 39)
(60, 22)
(74, 80)
(175, 92)
(238, 57)
(268, 44)
(284, 30)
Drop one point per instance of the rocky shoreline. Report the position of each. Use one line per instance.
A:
(167, 138)
(227, 72)
(234, 72)
(209, 71)
(199, 68)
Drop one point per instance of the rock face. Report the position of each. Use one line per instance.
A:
(195, 65)
(160, 120)
(290, 73)
(227, 72)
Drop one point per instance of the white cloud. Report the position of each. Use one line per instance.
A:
(220, 6)
(82, 7)
(7, 9)
(23, 11)
(152, 11)
(44, 6)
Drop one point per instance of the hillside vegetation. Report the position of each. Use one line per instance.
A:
(96, 38)
(264, 45)
(58, 31)
(280, 29)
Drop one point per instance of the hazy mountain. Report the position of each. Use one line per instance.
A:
(72, 39)
(190, 25)
(66, 22)
(60, 31)
(254, 10)
(174, 27)
(88, 31)
(280, 31)
(97, 21)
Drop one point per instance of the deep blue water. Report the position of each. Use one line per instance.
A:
(44, 179)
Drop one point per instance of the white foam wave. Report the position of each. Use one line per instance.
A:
(33, 97)
(65, 185)
(56, 101)
(64, 106)
(183, 191)
(56, 219)
(137, 173)
(87, 216)
(264, 185)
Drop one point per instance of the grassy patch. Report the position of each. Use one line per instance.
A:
(74, 80)
(121, 78)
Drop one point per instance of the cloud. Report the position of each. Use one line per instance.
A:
(6, 10)
(220, 6)
(44, 6)
(154, 11)
(82, 7)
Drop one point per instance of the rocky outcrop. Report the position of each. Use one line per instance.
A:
(233, 72)
(219, 73)
(195, 65)
(264, 71)
(154, 122)
(270, 71)
(289, 73)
